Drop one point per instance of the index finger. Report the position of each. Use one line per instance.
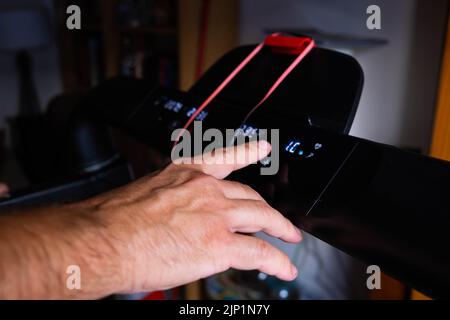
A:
(224, 161)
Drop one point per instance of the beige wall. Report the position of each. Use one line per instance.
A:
(397, 105)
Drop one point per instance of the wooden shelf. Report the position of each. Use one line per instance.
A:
(104, 32)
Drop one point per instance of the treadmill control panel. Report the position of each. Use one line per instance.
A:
(368, 199)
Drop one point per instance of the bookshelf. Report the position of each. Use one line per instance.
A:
(129, 37)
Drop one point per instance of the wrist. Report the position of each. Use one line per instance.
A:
(117, 235)
(38, 247)
(88, 244)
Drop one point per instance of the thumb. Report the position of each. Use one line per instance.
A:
(222, 162)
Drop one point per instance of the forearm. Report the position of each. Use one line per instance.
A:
(37, 247)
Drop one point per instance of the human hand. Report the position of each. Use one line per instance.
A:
(163, 230)
(185, 223)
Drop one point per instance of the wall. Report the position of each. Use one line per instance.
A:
(221, 36)
(46, 69)
(397, 105)
(48, 84)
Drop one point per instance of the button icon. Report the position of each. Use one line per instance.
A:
(266, 161)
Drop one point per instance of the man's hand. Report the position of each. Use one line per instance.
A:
(174, 227)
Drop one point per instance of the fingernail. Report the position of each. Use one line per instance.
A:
(264, 145)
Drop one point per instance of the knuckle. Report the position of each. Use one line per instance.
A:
(214, 236)
(234, 210)
(204, 184)
(208, 202)
(223, 260)
(161, 194)
(197, 203)
(263, 251)
(186, 175)
(222, 240)
(230, 207)
(266, 212)
(246, 189)
(228, 214)
(275, 216)
(180, 172)
(172, 167)
(250, 190)
(201, 179)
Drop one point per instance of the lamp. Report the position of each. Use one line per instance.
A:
(21, 30)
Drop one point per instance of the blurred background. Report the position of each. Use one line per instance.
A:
(44, 66)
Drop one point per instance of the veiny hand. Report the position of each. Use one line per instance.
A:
(185, 223)
(171, 228)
